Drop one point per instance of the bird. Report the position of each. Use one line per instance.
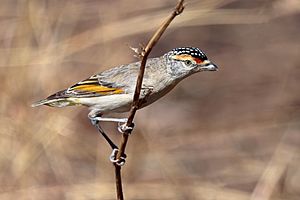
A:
(112, 90)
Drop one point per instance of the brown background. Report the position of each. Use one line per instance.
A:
(230, 135)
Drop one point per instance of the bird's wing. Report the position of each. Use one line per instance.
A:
(112, 81)
(102, 84)
(94, 86)
(91, 87)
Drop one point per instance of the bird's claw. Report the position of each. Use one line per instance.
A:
(113, 158)
(123, 128)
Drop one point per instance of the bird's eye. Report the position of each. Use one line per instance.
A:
(188, 62)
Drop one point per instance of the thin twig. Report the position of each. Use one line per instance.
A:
(118, 178)
(135, 105)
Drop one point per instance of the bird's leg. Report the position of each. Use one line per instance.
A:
(108, 119)
(96, 117)
(113, 157)
(109, 141)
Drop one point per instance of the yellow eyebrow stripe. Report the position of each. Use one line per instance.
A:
(187, 57)
(98, 89)
(183, 57)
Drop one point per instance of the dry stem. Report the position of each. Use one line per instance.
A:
(135, 105)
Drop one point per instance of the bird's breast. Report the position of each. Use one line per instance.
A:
(151, 95)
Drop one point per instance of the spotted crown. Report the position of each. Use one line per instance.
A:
(193, 51)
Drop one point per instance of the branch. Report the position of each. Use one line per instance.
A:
(135, 105)
(146, 51)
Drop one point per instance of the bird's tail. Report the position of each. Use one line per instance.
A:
(53, 102)
(58, 99)
(39, 103)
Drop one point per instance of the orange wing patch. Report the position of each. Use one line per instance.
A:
(98, 89)
(187, 57)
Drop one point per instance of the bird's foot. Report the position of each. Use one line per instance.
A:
(123, 128)
(113, 158)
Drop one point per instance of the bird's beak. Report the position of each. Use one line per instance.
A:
(207, 65)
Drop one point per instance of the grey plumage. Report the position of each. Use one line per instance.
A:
(112, 90)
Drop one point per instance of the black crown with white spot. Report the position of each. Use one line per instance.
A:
(193, 51)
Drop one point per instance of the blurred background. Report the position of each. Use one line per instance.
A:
(229, 135)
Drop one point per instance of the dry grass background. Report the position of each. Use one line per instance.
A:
(228, 135)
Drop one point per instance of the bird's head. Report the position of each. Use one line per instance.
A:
(188, 60)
